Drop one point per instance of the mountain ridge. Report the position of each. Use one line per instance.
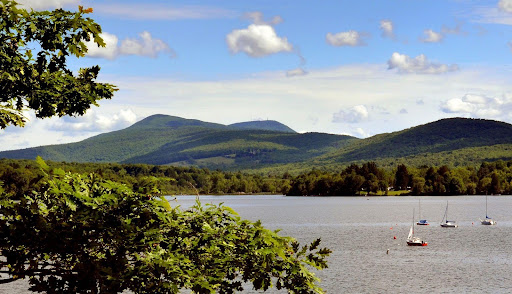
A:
(169, 140)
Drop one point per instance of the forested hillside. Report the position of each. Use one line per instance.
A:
(270, 147)
(454, 141)
(168, 140)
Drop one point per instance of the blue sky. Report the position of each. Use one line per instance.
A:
(344, 67)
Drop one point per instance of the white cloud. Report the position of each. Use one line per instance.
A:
(95, 122)
(46, 4)
(492, 15)
(387, 28)
(350, 38)
(354, 114)
(296, 72)
(110, 51)
(505, 5)
(257, 40)
(457, 105)
(360, 132)
(431, 37)
(419, 64)
(480, 106)
(148, 11)
(146, 45)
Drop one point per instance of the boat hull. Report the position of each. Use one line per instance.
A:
(488, 222)
(422, 222)
(449, 225)
(417, 243)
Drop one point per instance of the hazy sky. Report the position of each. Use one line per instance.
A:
(344, 67)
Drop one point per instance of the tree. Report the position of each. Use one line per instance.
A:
(39, 79)
(88, 235)
(401, 177)
(76, 234)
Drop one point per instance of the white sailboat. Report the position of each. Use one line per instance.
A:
(421, 222)
(487, 221)
(445, 223)
(413, 240)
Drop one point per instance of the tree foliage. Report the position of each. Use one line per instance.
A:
(34, 47)
(489, 178)
(83, 234)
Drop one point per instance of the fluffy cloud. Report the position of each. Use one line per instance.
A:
(46, 4)
(431, 37)
(110, 51)
(257, 40)
(505, 5)
(146, 45)
(94, 122)
(387, 28)
(419, 64)
(354, 114)
(350, 38)
(479, 106)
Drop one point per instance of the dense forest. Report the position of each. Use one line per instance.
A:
(368, 179)
(19, 177)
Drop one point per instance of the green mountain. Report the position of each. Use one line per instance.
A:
(269, 125)
(162, 139)
(270, 146)
(453, 141)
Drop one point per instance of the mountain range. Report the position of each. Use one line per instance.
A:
(272, 146)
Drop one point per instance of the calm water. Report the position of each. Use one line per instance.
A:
(469, 259)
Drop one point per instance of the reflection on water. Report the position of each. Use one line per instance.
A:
(469, 259)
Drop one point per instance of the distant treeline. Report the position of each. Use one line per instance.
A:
(19, 177)
(368, 179)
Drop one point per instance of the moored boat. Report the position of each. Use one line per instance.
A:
(445, 223)
(421, 222)
(413, 240)
(487, 221)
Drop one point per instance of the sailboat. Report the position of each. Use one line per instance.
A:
(445, 223)
(421, 222)
(487, 221)
(413, 240)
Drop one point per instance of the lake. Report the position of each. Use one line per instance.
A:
(469, 259)
(359, 230)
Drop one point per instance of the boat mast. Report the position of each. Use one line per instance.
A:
(419, 210)
(486, 207)
(412, 222)
(445, 217)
